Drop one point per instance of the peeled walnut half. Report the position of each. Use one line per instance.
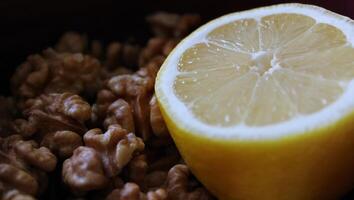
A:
(101, 159)
(62, 143)
(116, 147)
(179, 185)
(137, 90)
(23, 167)
(54, 72)
(157, 122)
(131, 191)
(120, 112)
(56, 121)
(58, 111)
(84, 171)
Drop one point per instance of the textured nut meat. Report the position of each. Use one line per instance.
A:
(120, 112)
(137, 169)
(137, 90)
(157, 122)
(116, 147)
(23, 166)
(17, 178)
(58, 111)
(41, 157)
(63, 143)
(70, 105)
(155, 179)
(131, 191)
(56, 72)
(16, 195)
(99, 110)
(178, 185)
(84, 171)
(30, 77)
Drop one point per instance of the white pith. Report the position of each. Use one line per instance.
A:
(185, 119)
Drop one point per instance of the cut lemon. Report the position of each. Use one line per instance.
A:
(261, 103)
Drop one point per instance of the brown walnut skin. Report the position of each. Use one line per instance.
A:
(17, 178)
(23, 167)
(131, 191)
(112, 161)
(58, 111)
(84, 171)
(137, 89)
(120, 112)
(158, 125)
(137, 169)
(178, 185)
(54, 72)
(116, 147)
(62, 143)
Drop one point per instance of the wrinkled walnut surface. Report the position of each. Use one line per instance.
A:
(23, 167)
(102, 158)
(179, 187)
(131, 191)
(58, 111)
(55, 72)
(83, 121)
(84, 170)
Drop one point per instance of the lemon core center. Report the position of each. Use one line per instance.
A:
(263, 62)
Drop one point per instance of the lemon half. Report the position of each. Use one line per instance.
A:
(261, 103)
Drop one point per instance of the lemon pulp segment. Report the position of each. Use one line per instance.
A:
(265, 71)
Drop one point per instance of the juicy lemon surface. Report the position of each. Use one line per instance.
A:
(261, 73)
(233, 91)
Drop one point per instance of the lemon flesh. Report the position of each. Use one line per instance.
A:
(260, 103)
(261, 73)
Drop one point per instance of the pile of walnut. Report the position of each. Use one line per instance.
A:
(82, 125)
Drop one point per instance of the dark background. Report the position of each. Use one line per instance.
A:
(28, 26)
